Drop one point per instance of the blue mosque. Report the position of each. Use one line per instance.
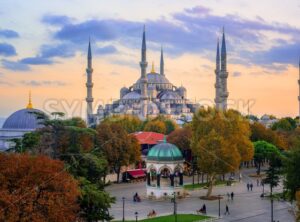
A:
(151, 95)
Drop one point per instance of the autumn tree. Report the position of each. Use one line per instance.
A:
(220, 142)
(157, 126)
(119, 147)
(260, 132)
(129, 123)
(181, 137)
(36, 188)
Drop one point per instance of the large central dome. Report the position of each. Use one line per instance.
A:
(23, 119)
(155, 78)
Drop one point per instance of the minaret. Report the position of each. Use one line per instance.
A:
(162, 64)
(29, 105)
(217, 84)
(299, 91)
(144, 81)
(223, 74)
(89, 86)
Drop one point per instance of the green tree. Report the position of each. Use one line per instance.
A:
(285, 124)
(273, 175)
(292, 173)
(220, 142)
(94, 202)
(263, 151)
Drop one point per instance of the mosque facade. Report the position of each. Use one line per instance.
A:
(151, 95)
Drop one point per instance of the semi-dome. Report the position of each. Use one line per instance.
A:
(23, 119)
(165, 152)
(132, 95)
(170, 95)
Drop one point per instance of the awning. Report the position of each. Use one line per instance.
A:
(137, 173)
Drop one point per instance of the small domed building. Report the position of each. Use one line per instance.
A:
(164, 171)
(17, 124)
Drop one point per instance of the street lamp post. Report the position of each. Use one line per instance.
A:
(219, 197)
(175, 207)
(193, 171)
(123, 199)
(136, 216)
(272, 207)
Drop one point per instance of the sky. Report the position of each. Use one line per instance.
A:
(43, 47)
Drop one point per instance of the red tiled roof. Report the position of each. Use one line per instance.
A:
(137, 173)
(149, 137)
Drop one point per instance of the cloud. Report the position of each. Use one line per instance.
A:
(286, 54)
(35, 83)
(7, 33)
(56, 20)
(14, 66)
(36, 61)
(106, 50)
(7, 50)
(194, 30)
(5, 83)
(60, 50)
(113, 73)
(48, 52)
(99, 30)
(236, 74)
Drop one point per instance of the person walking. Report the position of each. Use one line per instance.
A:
(248, 186)
(232, 195)
(227, 210)
(204, 208)
(251, 186)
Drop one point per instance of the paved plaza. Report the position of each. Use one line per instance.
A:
(247, 206)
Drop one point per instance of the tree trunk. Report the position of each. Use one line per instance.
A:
(210, 182)
(117, 170)
(258, 168)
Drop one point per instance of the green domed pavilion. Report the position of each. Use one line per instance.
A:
(164, 170)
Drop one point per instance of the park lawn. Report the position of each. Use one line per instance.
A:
(204, 185)
(180, 218)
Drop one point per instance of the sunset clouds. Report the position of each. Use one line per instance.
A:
(52, 51)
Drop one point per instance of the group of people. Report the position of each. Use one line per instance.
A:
(230, 196)
(250, 186)
(202, 210)
(136, 198)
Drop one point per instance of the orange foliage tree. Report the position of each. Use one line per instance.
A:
(220, 142)
(181, 137)
(260, 132)
(36, 188)
(157, 126)
(119, 147)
